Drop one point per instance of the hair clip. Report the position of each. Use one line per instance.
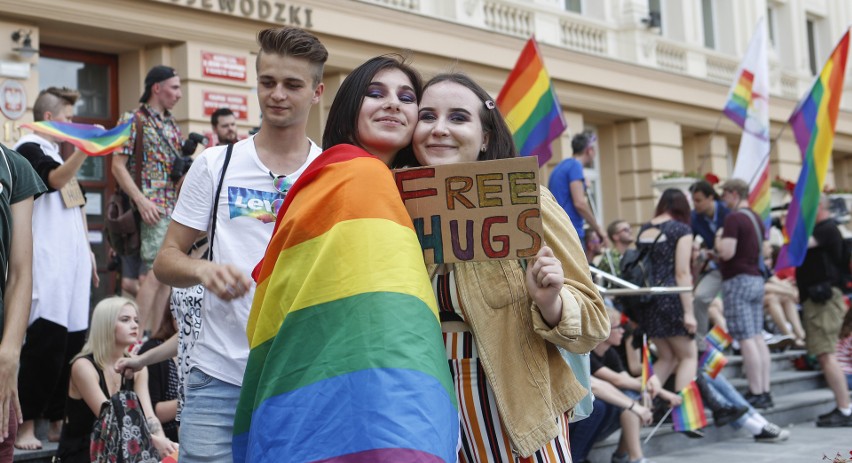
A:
(490, 104)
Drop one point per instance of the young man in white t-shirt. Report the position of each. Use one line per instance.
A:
(289, 73)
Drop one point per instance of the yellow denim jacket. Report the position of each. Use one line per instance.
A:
(532, 384)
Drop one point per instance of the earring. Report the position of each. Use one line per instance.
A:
(483, 148)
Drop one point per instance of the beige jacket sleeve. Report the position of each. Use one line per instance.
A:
(584, 321)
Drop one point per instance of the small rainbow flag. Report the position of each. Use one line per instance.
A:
(713, 361)
(91, 139)
(347, 362)
(719, 338)
(689, 415)
(813, 122)
(530, 106)
(647, 366)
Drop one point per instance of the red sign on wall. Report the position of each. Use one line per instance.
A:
(237, 103)
(223, 66)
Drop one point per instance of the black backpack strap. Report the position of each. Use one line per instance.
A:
(216, 200)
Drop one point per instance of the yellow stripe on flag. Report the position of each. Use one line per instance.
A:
(311, 276)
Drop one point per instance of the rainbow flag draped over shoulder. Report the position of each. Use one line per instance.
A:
(529, 104)
(689, 415)
(647, 366)
(748, 107)
(813, 122)
(92, 140)
(347, 362)
(713, 361)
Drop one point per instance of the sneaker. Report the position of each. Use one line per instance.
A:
(728, 415)
(758, 401)
(780, 342)
(767, 399)
(834, 419)
(771, 432)
(623, 458)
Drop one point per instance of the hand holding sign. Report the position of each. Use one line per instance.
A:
(544, 280)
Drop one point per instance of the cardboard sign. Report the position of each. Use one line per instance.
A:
(72, 194)
(487, 210)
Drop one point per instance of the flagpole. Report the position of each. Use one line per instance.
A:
(668, 412)
(709, 143)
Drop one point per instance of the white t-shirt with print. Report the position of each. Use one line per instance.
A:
(244, 227)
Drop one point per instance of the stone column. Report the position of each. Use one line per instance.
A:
(646, 150)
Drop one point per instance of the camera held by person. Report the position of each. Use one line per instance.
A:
(182, 163)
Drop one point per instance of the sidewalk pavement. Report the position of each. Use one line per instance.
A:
(807, 444)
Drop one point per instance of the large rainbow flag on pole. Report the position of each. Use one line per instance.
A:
(347, 362)
(689, 415)
(530, 106)
(748, 107)
(91, 139)
(813, 122)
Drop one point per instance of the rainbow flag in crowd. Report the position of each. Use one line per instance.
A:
(92, 140)
(748, 107)
(530, 106)
(347, 362)
(689, 415)
(719, 338)
(647, 366)
(813, 122)
(713, 361)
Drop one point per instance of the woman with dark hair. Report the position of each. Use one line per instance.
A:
(346, 351)
(503, 320)
(669, 320)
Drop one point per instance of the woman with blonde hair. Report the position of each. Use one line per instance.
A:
(114, 327)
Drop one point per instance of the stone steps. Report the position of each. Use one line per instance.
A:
(799, 396)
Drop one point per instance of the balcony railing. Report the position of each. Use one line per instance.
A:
(631, 43)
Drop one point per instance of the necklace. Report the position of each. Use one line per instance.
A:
(307, 154)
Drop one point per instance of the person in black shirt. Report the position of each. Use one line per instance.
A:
(823, 308)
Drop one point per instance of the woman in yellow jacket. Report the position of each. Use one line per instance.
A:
(502, 323)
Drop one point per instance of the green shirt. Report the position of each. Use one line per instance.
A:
(18, 181)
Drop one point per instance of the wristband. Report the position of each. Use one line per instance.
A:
(632, 404)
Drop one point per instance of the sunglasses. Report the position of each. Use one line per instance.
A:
(282, 184)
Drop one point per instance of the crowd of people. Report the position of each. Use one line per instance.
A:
(502, 327)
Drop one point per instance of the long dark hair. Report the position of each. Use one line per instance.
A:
(500, 143)
(675, 203)
(342, 123)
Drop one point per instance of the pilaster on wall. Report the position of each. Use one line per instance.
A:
(789, 158)
(706, 153)
(843, 171)
(646, 150)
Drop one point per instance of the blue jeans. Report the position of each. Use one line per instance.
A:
(849, 380)
(728, 395)
(598, 426)
(207, 419)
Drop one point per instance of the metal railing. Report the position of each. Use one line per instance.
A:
(629, 289)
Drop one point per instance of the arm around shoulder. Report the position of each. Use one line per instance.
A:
(584, 322)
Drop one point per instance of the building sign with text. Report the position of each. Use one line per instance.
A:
(223, 66)
(236, 103)
(272, 11)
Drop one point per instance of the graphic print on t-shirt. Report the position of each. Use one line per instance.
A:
(257, 204)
